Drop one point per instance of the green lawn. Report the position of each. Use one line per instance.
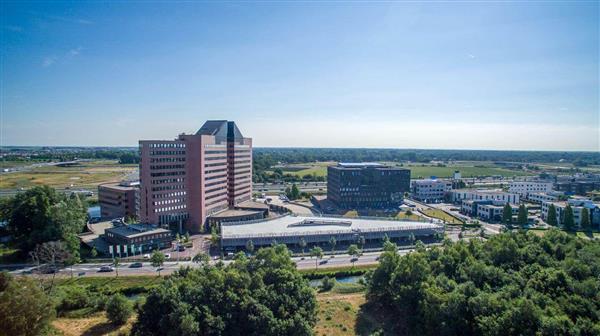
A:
(420, 171)
(439, 214)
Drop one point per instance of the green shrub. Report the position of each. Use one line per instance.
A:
(327, 283)
(118, 309)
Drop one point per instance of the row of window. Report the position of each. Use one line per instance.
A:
(167, 159)
(177, 152)
(169, 187)
(171, 208)
(169, 195)
(169, 201)
(177, 166)
(167, 145)
(174, 173)
(169, 180)
(216, 195)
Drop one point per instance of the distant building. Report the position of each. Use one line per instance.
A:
(183, 181)
(542, 197)
(430, 190)
(578, 187)
(366, 185)
(487, 210)
(577, 205)
(146, 237)
(524, 188)
(458, 195)
(118, 199)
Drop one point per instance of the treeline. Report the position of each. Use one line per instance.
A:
(513, 284)
(263, 294)
(267, 157)
(123, 155)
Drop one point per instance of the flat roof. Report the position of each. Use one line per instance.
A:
(252, 205)
(117, 186)
(233, 213)
(291, 225)
(360, 164)
(135, 230)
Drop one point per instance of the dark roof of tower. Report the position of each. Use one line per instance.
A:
(213, 127)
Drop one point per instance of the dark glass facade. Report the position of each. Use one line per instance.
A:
(367, 186)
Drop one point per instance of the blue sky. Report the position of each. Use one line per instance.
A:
(330, 74)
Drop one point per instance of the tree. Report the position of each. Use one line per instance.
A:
(332, 243)
(249, 246)
(157, 259)
(295, 193)
(302, 245)
(116, 264)
(522, 216)
(316, 252)
(507, 214)
(361, 242)
(118, 309)
(40, 215)
(25, 309)
(187, 237)
(94, 252)
(263, 294)
(49, 257)
(569, 221)
(353, 251)
(585, 220)
(327, 283)
(201, 258)
(552, 220)
(409, 213)
(214, 236)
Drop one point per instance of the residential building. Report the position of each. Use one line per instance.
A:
(430, 190)
(118, 199)
(524, 188)
(183, 181)
(366, 185)
(458, 195)
(578, 187)
(577, 205)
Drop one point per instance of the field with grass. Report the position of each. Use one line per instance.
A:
(94, 325)
(83, 175)
(439, 214)
(417, 170)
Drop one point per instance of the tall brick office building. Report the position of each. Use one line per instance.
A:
(183, 181)
(366, 185)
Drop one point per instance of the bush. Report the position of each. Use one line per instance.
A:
(118, 309)
(327, 283)
(73, 298)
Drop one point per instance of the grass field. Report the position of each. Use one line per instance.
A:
(84, 175)
(94, 325)
(421, 171)
(439, 214)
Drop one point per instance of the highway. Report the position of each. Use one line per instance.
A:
(92, 269)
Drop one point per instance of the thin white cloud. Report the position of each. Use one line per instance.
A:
(48, 61)
(471, 56)
(75, 52)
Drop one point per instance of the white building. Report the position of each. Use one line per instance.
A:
(430, 190)
(459, 195)
(493, 212)
(577, 205)
(523, 188)
(542, 197)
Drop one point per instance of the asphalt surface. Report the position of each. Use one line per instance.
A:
(125, 269)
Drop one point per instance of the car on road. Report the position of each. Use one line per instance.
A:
(106, 269)
(167, 255)
(324, 261)
(136, 265)
(146, 256)
(354, 259)
(50, 270)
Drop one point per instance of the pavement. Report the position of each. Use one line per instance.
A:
(125, 269)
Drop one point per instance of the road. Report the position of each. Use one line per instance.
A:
(92, 269)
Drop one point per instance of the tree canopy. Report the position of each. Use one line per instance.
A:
(41, 214)
(514, 284)
(552, 220)
(259, 295)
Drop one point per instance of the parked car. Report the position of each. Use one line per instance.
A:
(167, 255)
(106, 269)
(146, 256)
(181, 248)
(136, 265)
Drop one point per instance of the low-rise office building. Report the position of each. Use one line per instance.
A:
(524, 188)
(459, 195)
(577, 205)
(143, 237)
(318, 231)
(118, 199)
(430, 190)
(366, 185)
(493, 212)
(578, 187)
(543, 197)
